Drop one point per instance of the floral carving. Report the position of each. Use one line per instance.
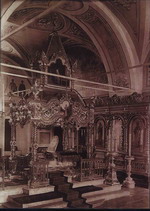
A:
(21, 15)
(121, 81)
(72, 5)
(53, 21)
(75, 30)
(20, 112)
(118, 100)
(125, 3)
(89, 16)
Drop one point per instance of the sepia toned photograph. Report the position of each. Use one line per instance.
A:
(75, 104)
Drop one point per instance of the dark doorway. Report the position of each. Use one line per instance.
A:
(58, 68)
(7, 135)
(82, 136)
(58, 131)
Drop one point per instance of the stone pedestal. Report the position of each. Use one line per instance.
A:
(128, 182)
(111, 177)
(39, 190)
(39, 174)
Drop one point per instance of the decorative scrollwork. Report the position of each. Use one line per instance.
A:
(53, 21)
(118, 100)
(21, 112)
(72, 6)
(125, 3)
(90, 16)
(26, 12)
(75, 30)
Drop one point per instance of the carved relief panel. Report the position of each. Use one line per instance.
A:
(137, 131)
(117, 135)
(100, 134)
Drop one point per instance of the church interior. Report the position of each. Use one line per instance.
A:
(74, 103)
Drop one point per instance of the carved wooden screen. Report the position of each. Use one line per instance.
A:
(117, 135)
(137, 136)
(100, 134)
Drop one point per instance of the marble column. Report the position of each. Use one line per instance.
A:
(34, 144)
(2, 114)
(90, 140)
(111, 177)
(13, 140)
(77, 138)
(2, 132)
(128, 182)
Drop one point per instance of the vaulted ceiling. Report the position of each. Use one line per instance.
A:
(101, 38)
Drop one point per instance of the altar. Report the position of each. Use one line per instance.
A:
(61, 128)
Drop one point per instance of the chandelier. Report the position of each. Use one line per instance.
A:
(21, 112)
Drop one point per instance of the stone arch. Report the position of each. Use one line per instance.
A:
(126, 43)
(137, 134)
(100, 132)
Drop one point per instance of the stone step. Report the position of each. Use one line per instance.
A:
(71, 195)
(54, 203)
(63, 187)
(88, 189)
(56, 174)
(57, 181)
(10, 205)
(43, 203)
(106, 196)
(25, 201)
(105, 189)
(11, 199)
(84, 206)
(62, 204)
(16, 196)
(97, 203)
(77, 202)
(98, 182)
(39, 190)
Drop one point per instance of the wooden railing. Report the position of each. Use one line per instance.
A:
(2, 172)
(121, 164)
(39, 174)
(91, 169)
(139, 167)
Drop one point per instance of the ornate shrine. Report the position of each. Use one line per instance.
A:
(104, 133)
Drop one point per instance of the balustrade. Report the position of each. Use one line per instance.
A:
(139, 167)
(91, 169)
(2, 172)
(39, 173)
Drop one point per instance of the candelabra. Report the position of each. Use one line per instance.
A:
(37, 88)
(19, 113)
(111, 177)
(128, 182)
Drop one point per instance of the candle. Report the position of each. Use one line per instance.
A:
(116, 145)
(113, 144)
(3, 99)
(141, 138)
(109, 141)
(129, 144)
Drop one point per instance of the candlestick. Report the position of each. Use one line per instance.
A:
(113, 145)
(109, 139)
(141, 139)
(116, 145)
(3, 99)
(129, 144)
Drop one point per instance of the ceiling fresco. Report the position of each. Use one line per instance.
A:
(87, 33)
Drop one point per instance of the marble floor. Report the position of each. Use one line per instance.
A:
(139, 198)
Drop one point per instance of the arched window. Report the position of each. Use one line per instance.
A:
(100, 134)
